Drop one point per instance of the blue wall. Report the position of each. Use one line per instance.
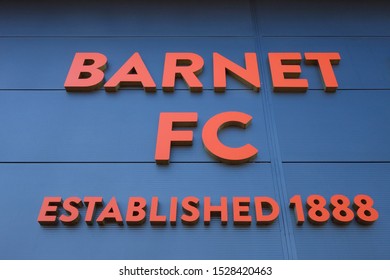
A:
(54, 143)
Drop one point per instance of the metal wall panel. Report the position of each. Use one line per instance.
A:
(323, 18)
(43, 63)
(314, 134)
(352, 241)
(55, 126)
(25, 185)
(58, 143)
(125, 18)
(344, 126)
(364, 62)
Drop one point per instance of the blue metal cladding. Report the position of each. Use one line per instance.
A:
(117, 127)
(27, 184)
(350, 126)
(333, 241)
(59, 52)
(363, 62)
(54, 143)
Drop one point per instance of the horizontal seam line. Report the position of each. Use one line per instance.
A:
(182, 89)
(379, 161)
(122, 89)
(326, 36)
(113, 162)
(128, 36)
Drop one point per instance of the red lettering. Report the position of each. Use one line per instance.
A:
(155, 219)
(86, 72)
(191, 212)
(325, 62)
(136, 214)
(285, 71)
(91, 202)
(166, 136)
(71, 206)
(183, 65)
(241, 211)
(249, 76)
(266, 202)
(110, 213)
(132, 73)
(215, 210)
(173, 211)
(214, 146)
(49, 210)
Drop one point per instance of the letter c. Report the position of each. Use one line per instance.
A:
(221, 152)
